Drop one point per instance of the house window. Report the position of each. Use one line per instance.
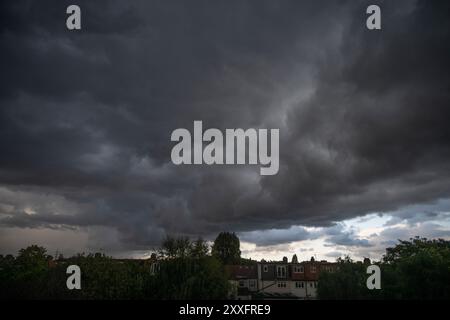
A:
(281, 284)
(313, 269)
(299, 269)
(315, 284)
(299, 284)
(252, 283)
(241, 283)
(154, 268)
(266, 268)
(281, 271)
(310, 284)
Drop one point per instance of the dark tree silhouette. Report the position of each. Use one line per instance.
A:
(226, 248)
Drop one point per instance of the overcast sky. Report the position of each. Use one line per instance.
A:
(86, 118)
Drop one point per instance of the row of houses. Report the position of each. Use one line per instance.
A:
(277, 280)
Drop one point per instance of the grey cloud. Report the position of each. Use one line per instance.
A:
(334, 254)
(86, 117)
(437, 211)
(338, 236)
(277, 236)
(426, 229)
(389, 237)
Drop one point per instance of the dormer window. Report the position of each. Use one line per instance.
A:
(281, 271)
(266, 268)
(299, 269)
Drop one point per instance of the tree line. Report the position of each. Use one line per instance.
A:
(418, 268)
(185, 270)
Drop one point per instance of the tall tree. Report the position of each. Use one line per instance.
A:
(226, 248)
(33, 256)
(199, 249)
(175, 247)
(418, 269)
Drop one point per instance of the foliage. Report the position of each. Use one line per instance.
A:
(418, 269)
(186, 272)
(182, 247)
(414, 269)
(348, 282)
(189, 278)
(226, 248)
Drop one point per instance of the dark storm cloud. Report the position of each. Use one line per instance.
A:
(336, 235)
(274, 236)
(411, 215)
(86, 116)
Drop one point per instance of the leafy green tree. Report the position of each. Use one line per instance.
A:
(418, 269)
(226, 248)
(348, 282)
(8, 277)
(189, 278)
(200, 248)
(186, 271)
(33, 256)
(24, 276)
(415, 269)
(175, 247)
(413, 246)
